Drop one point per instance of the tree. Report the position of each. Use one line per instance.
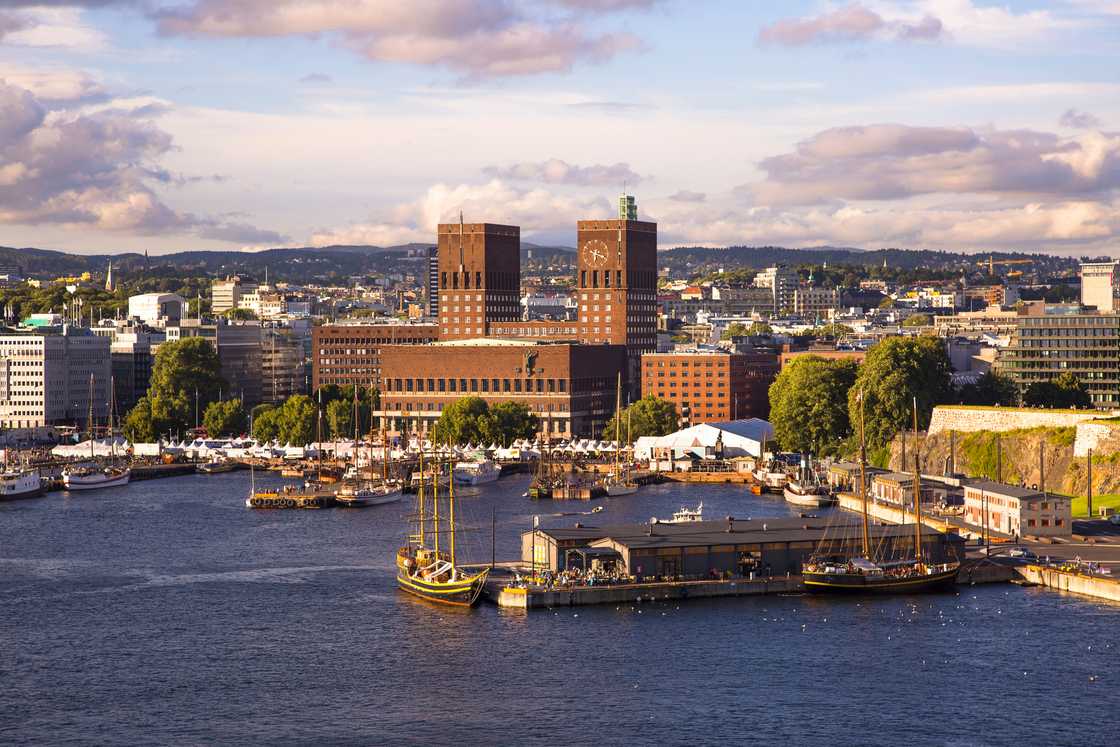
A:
(264, 423)
(296, 420)
(887, 303)
(832, 331)
(225, 419)
(760, 328)
(340, 418)
(649, 416)
(240, 315)
(464, 421)
(917, 320)
(895, 371)
(809, 404)
(990, 389)
(1065, 392)
(185, 373)
(510, 421)
(735, 329)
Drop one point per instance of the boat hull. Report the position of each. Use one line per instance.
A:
(94, 482)
(618, 489)
(466, 593)
(855, 583)
(17, 495)
(812, 500)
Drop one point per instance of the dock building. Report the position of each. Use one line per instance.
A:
(1016, 510)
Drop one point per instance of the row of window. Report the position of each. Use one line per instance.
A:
(538, 386)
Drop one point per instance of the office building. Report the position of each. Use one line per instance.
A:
(815, 303)
(284, 370)
(711, 386)
(45, 378)
(781, 282)
(433, 283)
(1100, 286)
(239, 352)
(225, 295)
(479, 277)
(131, 351)
(1052, 340)
(157, 309)
(570, 388)
(348, 354)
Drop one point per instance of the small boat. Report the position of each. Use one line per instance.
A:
(770, 479)
(476, 472)
(686, 515)
(92, 478)
(292, 472)
(429, 478)
(353, 496)
(216, 466)
(620, 486)
(618, 482)
(801, 494)
(17, 484)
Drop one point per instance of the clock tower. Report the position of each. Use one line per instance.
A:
(616, 281)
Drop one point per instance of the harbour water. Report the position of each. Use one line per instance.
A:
(167, 612)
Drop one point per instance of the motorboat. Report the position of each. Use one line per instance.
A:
(216, 466)
(16, 484)
(476, 472)
(92, 478)
(686, 515)
(353, 496)
(801, 494)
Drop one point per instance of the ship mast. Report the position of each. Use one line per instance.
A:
(90, 416)
(917, 491)
(435, 498)
(451, 511)
(420, 493)
(319, 439)
(618, 426)
(863, 479)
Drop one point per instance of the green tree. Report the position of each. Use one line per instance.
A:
(224, 419)
(649, 416)
(185, 373)
(887, 303)
(990, 389)
(895, 371)
(832, 331)
(340, 418)
(465, 420)
(510, 421)
(760, 328)
(1065, 392)
(264, 423)
(240, 315)
(138, 426)
(917, 320)
(296, 420)
(735, 329)
(809, 404)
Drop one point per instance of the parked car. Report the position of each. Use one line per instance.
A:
(1114, 519)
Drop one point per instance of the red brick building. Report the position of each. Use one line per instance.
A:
(571, 388)
(479, 275)
(347, 354)
(710, 386)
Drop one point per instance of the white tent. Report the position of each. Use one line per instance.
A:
(708, 441)
(102, 447)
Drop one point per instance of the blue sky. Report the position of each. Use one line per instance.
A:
(166, 125)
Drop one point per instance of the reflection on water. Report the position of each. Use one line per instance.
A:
(167, 612)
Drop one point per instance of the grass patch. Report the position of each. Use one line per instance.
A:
(1080, 505)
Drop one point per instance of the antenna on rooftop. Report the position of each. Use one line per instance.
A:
(461, 262)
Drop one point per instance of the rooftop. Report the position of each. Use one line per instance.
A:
(999, 488)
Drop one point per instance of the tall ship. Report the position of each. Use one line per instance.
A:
(426, 566)
(355, 493)
(865, 573)
(92, 476)
(619, 482)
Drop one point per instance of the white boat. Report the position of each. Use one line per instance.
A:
(428, 477)
(91, 478)
(617, 486)
(800, 494)
(687, 515)
(477, 472)
(18, 484)
(368, 495)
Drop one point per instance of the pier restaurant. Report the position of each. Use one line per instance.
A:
(730, 546)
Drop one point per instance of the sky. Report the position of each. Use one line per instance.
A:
(167, 125)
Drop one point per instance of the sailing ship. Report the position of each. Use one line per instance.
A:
(864, 573)
(427, 570)
(618, 482)
(356, 494)
(90, 476)
(216, 466)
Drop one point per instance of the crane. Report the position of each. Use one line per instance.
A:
(991, 262)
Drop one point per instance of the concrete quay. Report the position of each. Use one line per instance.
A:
(1073, 582)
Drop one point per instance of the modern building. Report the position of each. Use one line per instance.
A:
(570, 388)
(1062, 339)
(45, 378)
(157, 309)
(709, 386)
(131, 351)
(479, 278)
(284, 369)
(239, 352)
(348, 354)
(976, 297)
(225, 295)
(433, 283)
(1017, 511)
(1100, 286)
(782, 282)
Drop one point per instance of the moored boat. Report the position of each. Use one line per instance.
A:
(17, 484)
(477, 472)
(800, 494)
(92, 478)
(686, 515)
(216, 466)
(355, 496)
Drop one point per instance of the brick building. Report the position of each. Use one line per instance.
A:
(346, 354)
(571, 388)
(710, 386)
(479, 267)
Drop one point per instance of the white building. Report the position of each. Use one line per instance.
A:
(1100, 285)
(45, 379)
(157, 309)
(782, 282)
(1010, 509)
(226, 294)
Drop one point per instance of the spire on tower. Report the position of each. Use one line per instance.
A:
(110, 285)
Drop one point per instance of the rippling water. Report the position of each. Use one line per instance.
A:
(168, 612)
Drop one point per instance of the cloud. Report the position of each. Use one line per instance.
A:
(535, 210)
(478, 38)
(555, 171)
(850, 23)
(88, 170)
(1077, 120)
(609, 107)
(55, 87)
(50, 25)
(685, 195)
(316, 79)
(890, 162)
(241, 233)
(10, 22)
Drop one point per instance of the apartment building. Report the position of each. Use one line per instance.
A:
(45, 378)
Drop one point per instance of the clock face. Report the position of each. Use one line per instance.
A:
(594, 253)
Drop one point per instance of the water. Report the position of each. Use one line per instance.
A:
(166, 612)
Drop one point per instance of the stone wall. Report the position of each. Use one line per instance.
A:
(1000, 419)
(1102, 438)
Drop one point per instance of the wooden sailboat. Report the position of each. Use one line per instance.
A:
(428, 571)
(91, 477)
(864, 573)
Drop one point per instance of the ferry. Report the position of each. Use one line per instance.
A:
(17, 484)
(476, 472)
